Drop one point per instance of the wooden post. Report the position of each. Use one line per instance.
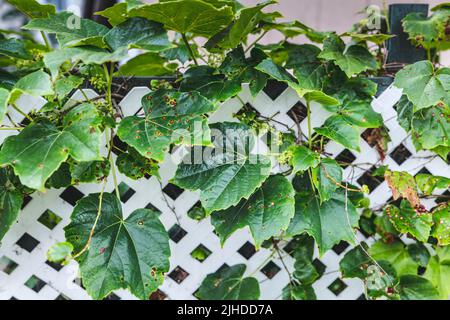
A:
(400, 48)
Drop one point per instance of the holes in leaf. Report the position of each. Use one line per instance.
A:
(26, 201)
(368, 179)
(298, 111)
(201, 253)
(345, 158)
(178, 275)
(158, 295)
(337, 286)
(125, 192)
(274, 88)
(400, 154)
(7, 265)
(173, 191)
(340, 247)
(176, 233)
(270, 270)
(71, 195)
(247, 250)
(35, 284)
(27, 242)
(49, 219)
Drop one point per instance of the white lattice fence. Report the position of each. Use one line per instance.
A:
(25, 273)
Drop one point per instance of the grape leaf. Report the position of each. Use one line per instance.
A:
(267, 212)
(427, 183)
(438, 272)
(60, 252)
(4, 97)
(144, 65)
(295, 291)
(87, 54)
(303, 158)
(441, 229)
(338, 129)
(431, 127)
(326, 177)
(419, 253)
(329, 223)
(424, 86)
(131, 253)
(37, 84)
(355, 263)
(40, 148)
(426, 31)
(65, 85)
(377, 38)
(11, 201)
(228, 283)
(33, 9)
(138, 33)
(226, 173)
(170, 117)
(280, 74)
(135, 166)
(90, 171)
(70, 29)
(14, 48)
(407, 220)
(115, 14)
(402, 185)
(405, 112)
(412, 287)
(396, 254)
(361, 114)
(352, 60)
(209, 83)
(188, 16)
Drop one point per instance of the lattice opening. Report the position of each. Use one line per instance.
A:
(7, 265)
(400, 154)
(247, 250)
(176, 233)
(173, 191)
(35, 284)
(345, 158)
(337, 286)
(178, 275)
(27, 242)
(201, 253)
(274, 88)
(49, 219)
(270, 270)
(125, 192)
(71, 195)
(340, 247)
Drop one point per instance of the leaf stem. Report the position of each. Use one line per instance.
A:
(111, 161)
(47, 43)
(11, 128)
(21, 112)
(251, 45)
(308, 109)
(191, 53)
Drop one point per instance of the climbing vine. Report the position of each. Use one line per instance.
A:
(294, 194)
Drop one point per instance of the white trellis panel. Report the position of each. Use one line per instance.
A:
(25, 273)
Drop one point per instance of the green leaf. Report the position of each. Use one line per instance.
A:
(87, 54)
(228, 283)
(11, 201)
(355, 263)
(326, 177)
(441, 229)
(412, 287)
(407, 220)
(209, 83)
(33, 9)
(138, 33)
(4, 97)
(144, 65)
(329, 223)
(431, 127)
(267, 212)
(14, 48)
(60, 252)
(361, 114)
(61, 178)
(187, 16)
(170, 117)
(405, 113)
(248, 19)
(130, 253)
(424, 31)
(396, 254)
(419, 253)
(302, 55)
(338, 129)
(135, 166)
(424, 86)
(36, 84)
(89, 171)
(377, 38)
(40, 148)
(438, 272)
(227, 173)
(303, 158)
(427, 183)
(352, 60)
(64, 86)
(280, 74)
(298, 292)
(115, 14)
(70, 29)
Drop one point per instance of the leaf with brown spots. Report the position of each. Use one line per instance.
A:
(402, 185)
